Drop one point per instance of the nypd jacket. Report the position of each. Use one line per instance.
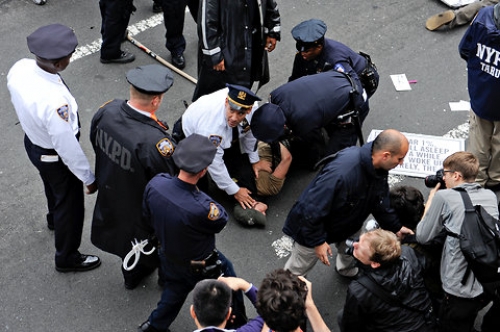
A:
(224, 31)
(340, 198)
(130, 149)
(335, 55)
(364, 311)
(480, 47)
(312, 102)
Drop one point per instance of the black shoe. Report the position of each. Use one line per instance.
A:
(178, 60)
(124, 57)
(157, 7)
(132, 283)
(146, 327)
(85, 263)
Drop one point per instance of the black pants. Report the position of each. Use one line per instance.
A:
(64, 192)
(173, 14)
(458, 314)
(115, 15)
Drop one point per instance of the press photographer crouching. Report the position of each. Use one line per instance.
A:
(390, 295)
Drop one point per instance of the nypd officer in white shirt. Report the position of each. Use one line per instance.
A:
(48, 115)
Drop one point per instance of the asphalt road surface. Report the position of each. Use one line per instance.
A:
(34, 297)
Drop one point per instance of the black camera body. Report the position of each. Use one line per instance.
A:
(350, 246)
(432, 180)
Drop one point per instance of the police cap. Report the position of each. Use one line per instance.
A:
(240, 98)
(51, 42)
(268, 123)
(151, 79)
(309, 34)
(194, 153)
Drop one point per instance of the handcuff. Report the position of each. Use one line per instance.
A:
(137, 249)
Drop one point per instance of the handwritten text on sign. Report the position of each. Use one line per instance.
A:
(426, 153)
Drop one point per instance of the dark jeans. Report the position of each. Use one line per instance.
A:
(173, 14)
(115, 15)
(64, 192)
(179, 282)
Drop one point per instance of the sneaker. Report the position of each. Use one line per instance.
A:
(39, 2)
(178, 60)
(348, 273)
(124, 57)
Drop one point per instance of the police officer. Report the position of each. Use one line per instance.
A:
(185, 221)
(131, 147)
(224, 117)
(48, 114)
(316, 54)
(301, 108)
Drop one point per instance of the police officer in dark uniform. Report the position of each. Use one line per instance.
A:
(115, 15)
(185, 221)
(299, 109)
(131, 147)
(48, 114)
(317, 54)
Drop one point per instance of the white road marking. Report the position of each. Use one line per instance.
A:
(133, 30)
(283, 246)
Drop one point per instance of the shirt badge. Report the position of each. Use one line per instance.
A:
(214, 212)
(215, 139)
(63, 112)
(165, 147)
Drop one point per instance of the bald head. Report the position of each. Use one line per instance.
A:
(389, 149)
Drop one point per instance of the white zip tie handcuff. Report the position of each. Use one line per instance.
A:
(137, 248)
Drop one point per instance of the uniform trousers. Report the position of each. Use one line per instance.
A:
(64, 192)
(465, 14)
(484, 143)
(173, 14)
(115, 15)
(179, 282)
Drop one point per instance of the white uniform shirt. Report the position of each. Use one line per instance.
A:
(207, 117)
(37, 96)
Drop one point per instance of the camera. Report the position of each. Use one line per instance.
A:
(350, 246)
(432, 180)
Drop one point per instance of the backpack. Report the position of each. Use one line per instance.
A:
(480, 244)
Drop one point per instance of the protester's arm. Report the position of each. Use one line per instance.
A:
(313, 315)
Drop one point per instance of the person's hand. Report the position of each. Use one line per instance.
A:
(243, 197)
(220, 66)
(404, 231)
(270, 44)
(431, 196)
(323, 251)
(261, 165)
(91, 188)
(309, 298)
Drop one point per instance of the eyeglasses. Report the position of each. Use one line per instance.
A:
(449, 171)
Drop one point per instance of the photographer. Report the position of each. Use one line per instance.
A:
(391, 295)
(445, 210)
(185, 221)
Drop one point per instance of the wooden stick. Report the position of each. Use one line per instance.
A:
(161, 60)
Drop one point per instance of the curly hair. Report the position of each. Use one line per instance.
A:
(281, 301)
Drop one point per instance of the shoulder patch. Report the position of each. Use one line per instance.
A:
(214, 212)
(338, 67)
(63, 112)
(106, 103)
(215, 139)
(165, 147)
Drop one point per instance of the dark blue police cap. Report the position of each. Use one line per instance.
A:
(194, 153)
(151, 79)
(268, 123)
(309, 33)
(51, 42)
(240, 98)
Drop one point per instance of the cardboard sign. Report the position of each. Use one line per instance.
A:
(426, 153)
